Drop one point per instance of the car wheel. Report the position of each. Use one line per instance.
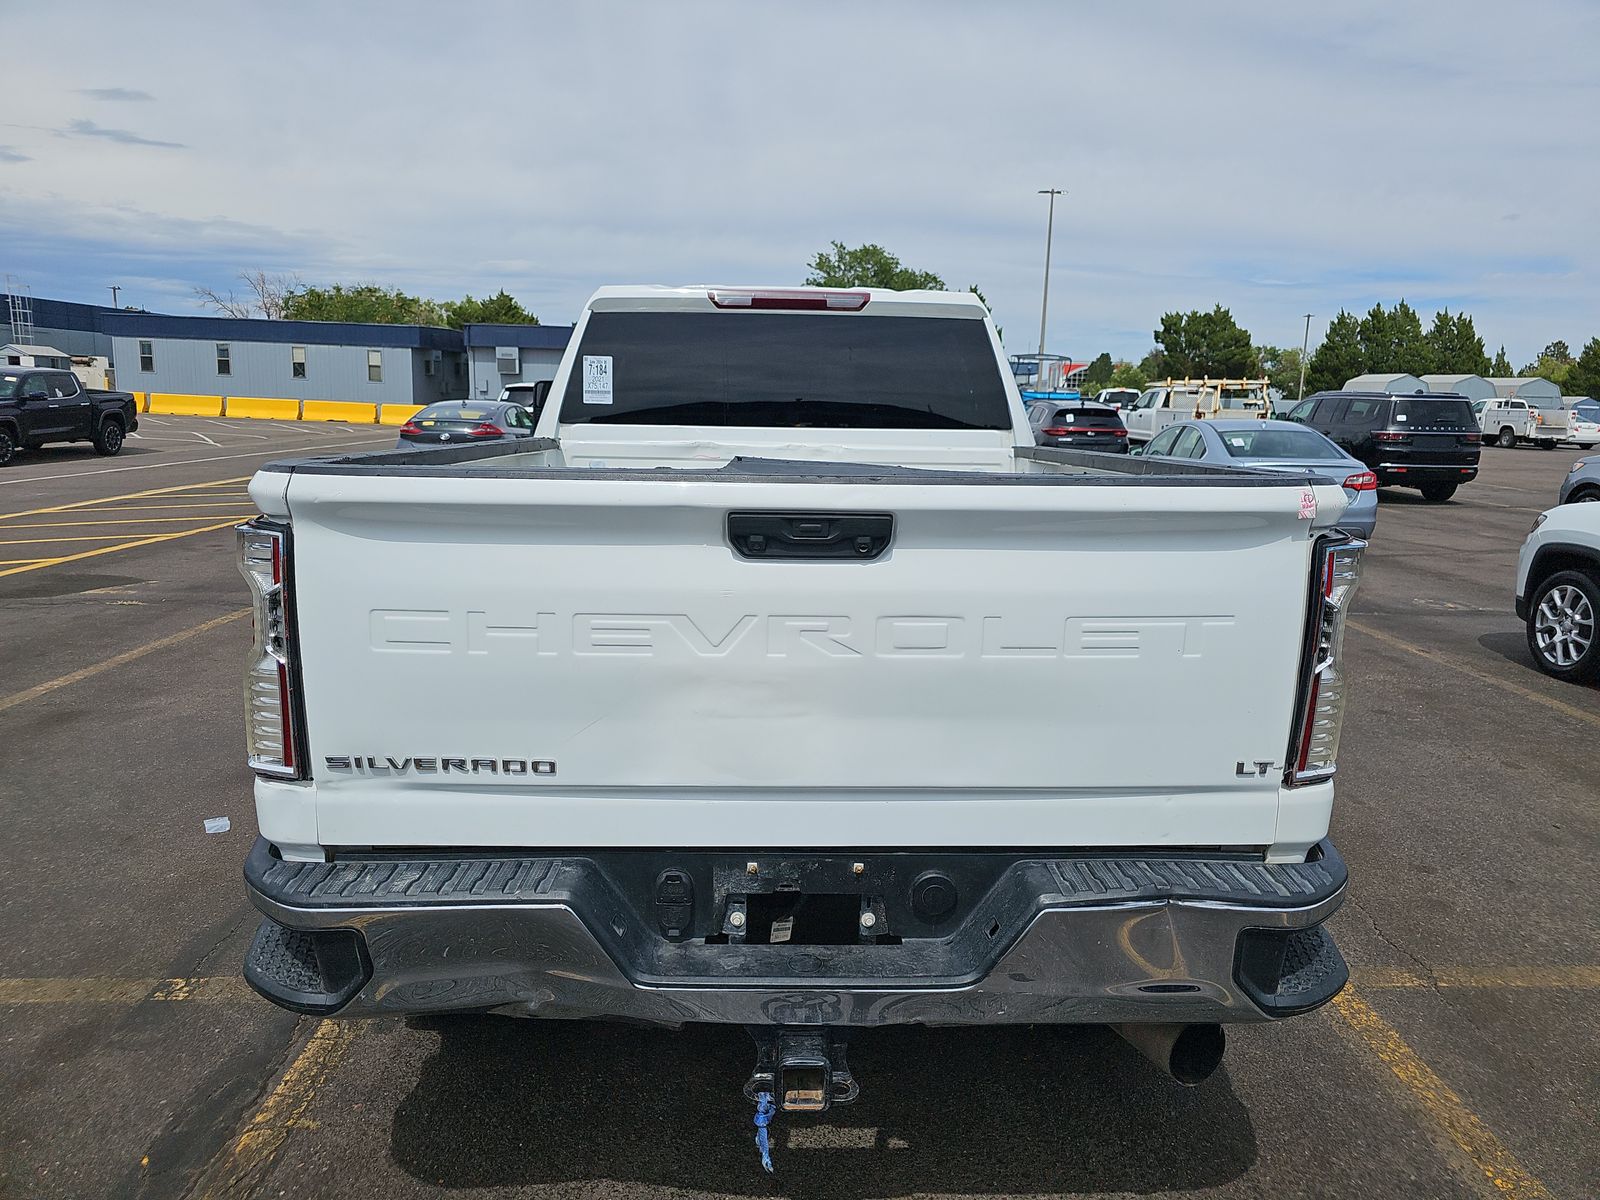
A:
(1547, 444)
(8, 447)
(108, 440)
(1507, 439)
(1584, 496)
(1562, 626)
(1437, 493)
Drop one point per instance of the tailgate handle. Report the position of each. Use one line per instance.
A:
(861, 536)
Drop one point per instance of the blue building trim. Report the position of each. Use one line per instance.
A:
(312, 333)
(59, 314)
(528, 337)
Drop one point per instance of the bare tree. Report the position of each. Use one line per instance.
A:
(268, 296)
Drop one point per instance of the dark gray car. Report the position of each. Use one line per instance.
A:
(1582, 482)
(456, 421)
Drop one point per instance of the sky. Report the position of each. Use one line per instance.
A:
(1273, 158)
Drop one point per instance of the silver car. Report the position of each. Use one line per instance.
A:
(1582, 482)
(1275, 446)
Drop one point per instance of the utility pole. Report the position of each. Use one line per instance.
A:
(1044, 306)
(115, 288)
(1304, 343)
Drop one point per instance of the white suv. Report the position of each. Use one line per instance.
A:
(1558, 592)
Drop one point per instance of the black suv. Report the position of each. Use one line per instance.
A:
(1085, 426)
(1430, 442)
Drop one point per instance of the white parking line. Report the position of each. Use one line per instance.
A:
(202, 437)
(180, 462)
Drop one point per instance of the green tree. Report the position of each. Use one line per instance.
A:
(1339, 357)
(1097, 375)
(1150, 364)
(365, 302)
(499, 309)
(869, 266)
(1126, 375)
(1454, 345)
(1392, 341)
(1554, 363)
(1281, 366)
(1500, 368)
(1585, 377)
(1196, 344)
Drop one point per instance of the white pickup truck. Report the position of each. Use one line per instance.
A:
(1508, 421)
(1176, 400)
(779, 684)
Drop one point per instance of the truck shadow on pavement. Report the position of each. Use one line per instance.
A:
(1064, 1109)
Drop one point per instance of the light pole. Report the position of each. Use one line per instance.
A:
(1304, 343)
(115, 288)
(1044, 305)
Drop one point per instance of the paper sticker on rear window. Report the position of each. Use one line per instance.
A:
(597, 379)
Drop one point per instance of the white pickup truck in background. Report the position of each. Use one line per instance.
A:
(780, 683)
(1508, 421)
(1176, 400)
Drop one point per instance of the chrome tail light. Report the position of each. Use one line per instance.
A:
(1320, 713)
(273, 740)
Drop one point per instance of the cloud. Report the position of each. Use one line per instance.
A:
(85, 128)
(7, 154)
(115, 93)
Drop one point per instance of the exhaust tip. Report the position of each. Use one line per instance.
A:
(1197, 1053)
(1189, 1054)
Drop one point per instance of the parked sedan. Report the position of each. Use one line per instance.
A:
(1582, 482)
(457, 421)
(1079, 425)
(1275, 446)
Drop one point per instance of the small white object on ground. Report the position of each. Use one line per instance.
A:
(217, 825)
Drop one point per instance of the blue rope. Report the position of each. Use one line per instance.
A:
(764, 1110)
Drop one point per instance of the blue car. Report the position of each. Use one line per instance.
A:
(1275, 446)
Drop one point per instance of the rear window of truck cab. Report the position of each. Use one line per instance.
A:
(786, 370)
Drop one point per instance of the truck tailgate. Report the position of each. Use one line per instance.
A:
(577, 662)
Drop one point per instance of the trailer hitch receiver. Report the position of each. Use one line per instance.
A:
(803, 1070)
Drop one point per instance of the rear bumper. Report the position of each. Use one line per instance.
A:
(1053, 940)
(1407, 473)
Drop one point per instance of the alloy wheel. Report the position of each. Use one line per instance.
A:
(1564, 625)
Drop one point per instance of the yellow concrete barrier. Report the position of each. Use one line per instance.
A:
(339, 410)
(398, 414)
(261, 408)
(170, 404)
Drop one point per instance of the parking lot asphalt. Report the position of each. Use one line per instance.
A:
(1463, 1061)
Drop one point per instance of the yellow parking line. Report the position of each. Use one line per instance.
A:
(174, 507)
(1455, 664)
(122, 991)
(149, 541)
(6, 562)
(166, 491)
(114, 521)
(104, 537)
(284, 1110)
(116, 660)
(1555, 978)
(1366, 1029)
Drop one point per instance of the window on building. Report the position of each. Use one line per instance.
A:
(147, 356)
(461, 366)
(297, 361)
(374, 366)
(430, 364)
(224, 359)
(508, 360)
